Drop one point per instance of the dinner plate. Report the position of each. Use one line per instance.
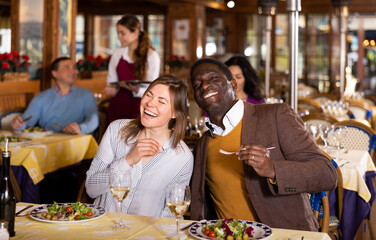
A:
(33, 134)
(260, 230)
(20, 142)
(36, 213)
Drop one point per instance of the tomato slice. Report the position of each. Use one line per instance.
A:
(69, 209)
(76, 217)
(212, 234)
(207, 231)
(89, 214)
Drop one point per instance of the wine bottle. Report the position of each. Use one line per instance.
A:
(7, 195)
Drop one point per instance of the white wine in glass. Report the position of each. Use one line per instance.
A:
(178, 199)
(120, 185)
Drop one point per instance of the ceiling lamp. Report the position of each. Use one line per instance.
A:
(230, 4)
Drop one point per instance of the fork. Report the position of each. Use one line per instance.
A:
(229, 153)
(24, 209)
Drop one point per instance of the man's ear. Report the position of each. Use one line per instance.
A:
(53, 73)
(234, 84)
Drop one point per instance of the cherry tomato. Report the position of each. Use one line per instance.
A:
(212, 234)
(89, 214)
(76, 217)
(69, 209)
(207, 231)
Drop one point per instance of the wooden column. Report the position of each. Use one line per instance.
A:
(50, 38)
(14, 18)
(89, 35)
(193, 12)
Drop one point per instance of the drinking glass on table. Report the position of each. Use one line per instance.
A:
(120, 185)
(200, 125)
(178, 198)
(338, 136)
(324, 132)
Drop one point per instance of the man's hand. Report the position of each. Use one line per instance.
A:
(17, 122)
(72, 128)
(144, 147)
(258, 157)
(110, 91)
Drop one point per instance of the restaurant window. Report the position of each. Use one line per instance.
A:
(215, 39)
(31, 34)
(5, 30)
(317, 49)
(255, 40)
(156, 30)
(65, 27)
(80, 37)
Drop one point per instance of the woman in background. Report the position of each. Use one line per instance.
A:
(250, 88)
(134, 60)
(151, 147)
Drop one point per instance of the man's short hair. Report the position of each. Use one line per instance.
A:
(223, 67)
(55, 63)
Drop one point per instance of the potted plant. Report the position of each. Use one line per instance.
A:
(92, 66)
(14, 67)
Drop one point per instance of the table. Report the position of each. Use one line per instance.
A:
(32, 160)
(141, 227)
(358, 172)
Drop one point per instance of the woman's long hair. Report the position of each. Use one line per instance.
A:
(178, 93)
(144, 44)
(253, 87)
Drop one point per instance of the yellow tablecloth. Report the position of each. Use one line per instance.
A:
(140, 228)
(354, 164)
(47, 154)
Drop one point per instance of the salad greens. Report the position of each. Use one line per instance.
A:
(228, 229)
(74, 211)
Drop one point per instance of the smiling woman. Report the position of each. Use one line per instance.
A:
(152, 145)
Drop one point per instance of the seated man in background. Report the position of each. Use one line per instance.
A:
(64, 107)
(276, 163)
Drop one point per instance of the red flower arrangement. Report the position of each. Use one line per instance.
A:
(91, 63)
(13, 62)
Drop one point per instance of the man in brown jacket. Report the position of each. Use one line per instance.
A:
(276, 161)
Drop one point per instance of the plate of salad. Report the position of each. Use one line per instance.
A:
(230, 229)
(34, 132)
(67, 212)
(14, 141)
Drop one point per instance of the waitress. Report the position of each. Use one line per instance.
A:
(134, 60)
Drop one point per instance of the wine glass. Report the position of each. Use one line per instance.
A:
(120, 185)
(178, 198)
(314, 130)
(324, 132)
(339, 135)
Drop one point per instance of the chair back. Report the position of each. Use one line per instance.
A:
(335, 207)
(320, 208)
(323, 97)
(358, 136)
(7, 117)
(361, 110)
(316, 119)
(309, 105)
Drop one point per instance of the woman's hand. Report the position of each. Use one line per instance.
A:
(144, 147)
(110, 91)
(258, 157)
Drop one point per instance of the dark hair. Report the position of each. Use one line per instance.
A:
(55, 64)
(253, 86)
(178, 92)
(144, 44)
(221, 66)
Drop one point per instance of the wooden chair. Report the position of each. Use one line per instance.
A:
(358, 136)
(322, 97)
(7, 117)
(361, 110)
(82, 195)
(320, 208)
(316, 118)
(370, 100)
(336, 220)
(309, 105)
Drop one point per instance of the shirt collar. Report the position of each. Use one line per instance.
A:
(230, 120)
(57, 90)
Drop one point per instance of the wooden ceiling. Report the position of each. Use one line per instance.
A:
(241, 6)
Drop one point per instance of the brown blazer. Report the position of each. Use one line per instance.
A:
(300, 168)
